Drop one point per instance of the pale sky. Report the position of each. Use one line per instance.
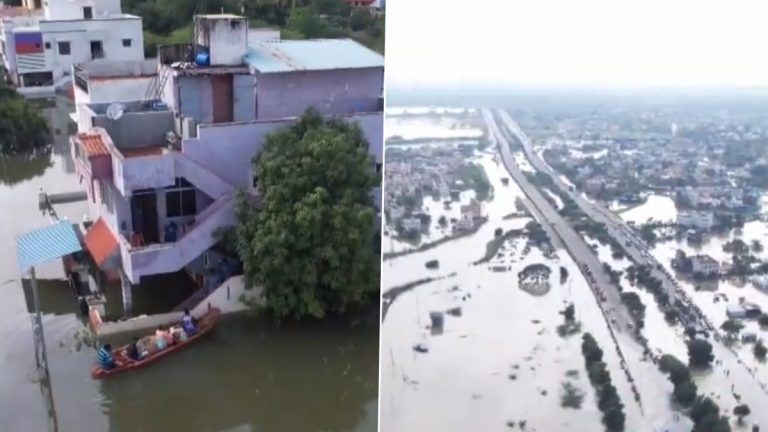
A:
(577, 42)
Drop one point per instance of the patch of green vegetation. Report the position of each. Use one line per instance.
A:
(609, 401)
(493, 246)
(474, 177)
(169, 21)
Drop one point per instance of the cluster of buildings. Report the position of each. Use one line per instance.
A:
(618, 156)
(696, 219)
(41, 40)
(412, 174)
(163, 145)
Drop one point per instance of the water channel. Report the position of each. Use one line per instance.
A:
(249, 375)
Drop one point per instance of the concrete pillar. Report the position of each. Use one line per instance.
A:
(127, 294)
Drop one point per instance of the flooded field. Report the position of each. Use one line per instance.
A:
(409, 128)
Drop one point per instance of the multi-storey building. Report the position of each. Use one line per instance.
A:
(40, 41)
(162, 173)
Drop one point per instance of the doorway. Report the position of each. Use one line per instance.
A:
(97, 50)
(223, 111)
(144, 215)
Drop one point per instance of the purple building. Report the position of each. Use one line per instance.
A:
(162, 172)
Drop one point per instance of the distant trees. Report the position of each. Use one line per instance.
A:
(763, 320)
(700, 353)
(742, 411)
(732, 328)
(706, 416)
(760, 350)
(170, 21)
(608, 398)
(23, 128)
(680, 376)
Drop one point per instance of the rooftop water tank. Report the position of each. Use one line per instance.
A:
(203, 59)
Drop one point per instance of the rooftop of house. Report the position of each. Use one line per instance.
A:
(110, 69)
(276, 56)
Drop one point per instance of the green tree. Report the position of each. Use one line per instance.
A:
(685, 393)
(760, 350)
(23, 128)
(590, 349)
(732, 328)
(677, 371)
(309, 240)
(700, 353)
(703, 407)
(763, 320)
(742, 411)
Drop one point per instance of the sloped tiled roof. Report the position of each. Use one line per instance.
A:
(93, 144)
(100, 242)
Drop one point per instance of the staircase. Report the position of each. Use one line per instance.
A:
(203, 179)
(171, 257)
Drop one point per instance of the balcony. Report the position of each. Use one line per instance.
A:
(170, 257)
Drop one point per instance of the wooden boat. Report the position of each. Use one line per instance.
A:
(204, 325)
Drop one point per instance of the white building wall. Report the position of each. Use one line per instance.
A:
(227, 39)
(79, 34)
(73, 9)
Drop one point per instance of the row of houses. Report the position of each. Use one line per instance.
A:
(41, 40)
(163, 145)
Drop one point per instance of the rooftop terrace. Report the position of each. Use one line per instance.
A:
(275, 56)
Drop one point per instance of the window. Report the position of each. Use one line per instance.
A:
(127, 43)
(47, 45)
(87, 12)
(64, 48)
(180, 199)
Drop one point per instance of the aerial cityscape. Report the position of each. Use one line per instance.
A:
(634, 233)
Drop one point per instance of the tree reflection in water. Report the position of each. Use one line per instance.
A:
(18, 168)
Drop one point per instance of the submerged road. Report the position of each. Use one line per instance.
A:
(748, 385)
(608, 297)
(632, 244)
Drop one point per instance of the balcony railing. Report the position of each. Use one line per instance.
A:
(168, 54)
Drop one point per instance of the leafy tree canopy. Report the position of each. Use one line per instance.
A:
(23, 128)
(309, 242)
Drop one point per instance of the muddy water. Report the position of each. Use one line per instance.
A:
(745, 376)
(502, 359)
(247, 376)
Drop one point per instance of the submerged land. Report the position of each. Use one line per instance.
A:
(603, 270)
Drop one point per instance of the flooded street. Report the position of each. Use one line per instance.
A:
(500, 360)
(248, 375)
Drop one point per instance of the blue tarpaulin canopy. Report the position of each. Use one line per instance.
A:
(45, 244)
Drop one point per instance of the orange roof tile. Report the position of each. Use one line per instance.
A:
(100, 241)
(92, 144)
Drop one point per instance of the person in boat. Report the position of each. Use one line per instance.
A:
(188, 323)
(105, 359)
(134, 351)
(163, 337)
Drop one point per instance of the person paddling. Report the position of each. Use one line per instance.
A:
(105, 359)
(188, 323)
